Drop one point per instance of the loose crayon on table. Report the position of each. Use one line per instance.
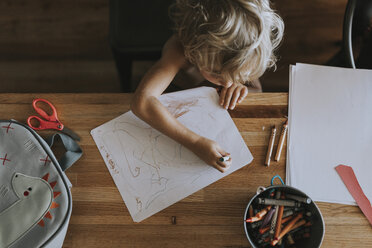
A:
(288, 203)
(270, 146)
(287, 228)
(281, 141)
(299, 198)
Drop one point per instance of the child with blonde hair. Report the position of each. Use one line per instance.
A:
(228, 43)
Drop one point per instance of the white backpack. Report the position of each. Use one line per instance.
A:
(35, 197)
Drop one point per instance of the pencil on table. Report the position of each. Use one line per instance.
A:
(281, 140)
(270, 147)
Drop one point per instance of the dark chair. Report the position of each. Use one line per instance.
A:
(138, 31)
(356, 50)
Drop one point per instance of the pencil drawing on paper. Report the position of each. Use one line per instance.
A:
(153, 171)
(148, 154)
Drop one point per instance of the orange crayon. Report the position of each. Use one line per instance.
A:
(263, 212)
(298, 224)
(253, 219)
(259, 215)
(287, 228)
(265, 229)
(279, 221)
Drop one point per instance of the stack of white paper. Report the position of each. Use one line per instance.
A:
(330, 123)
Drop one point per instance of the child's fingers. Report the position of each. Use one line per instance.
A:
(228, 96)
(221, 152)
(222, 95)
(225, 164)
(218, 167)
(243, 94)
(235, 97)
(222, 166)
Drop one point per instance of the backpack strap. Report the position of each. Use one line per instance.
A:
(73, 150)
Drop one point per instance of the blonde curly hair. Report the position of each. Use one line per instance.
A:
(234, 39)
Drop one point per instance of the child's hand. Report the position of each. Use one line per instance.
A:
(232, 95)
(210, 152)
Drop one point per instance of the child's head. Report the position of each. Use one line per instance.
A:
(232, 39)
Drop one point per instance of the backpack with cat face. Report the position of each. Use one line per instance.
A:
(35, 197)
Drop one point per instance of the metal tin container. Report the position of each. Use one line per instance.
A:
(317, 229)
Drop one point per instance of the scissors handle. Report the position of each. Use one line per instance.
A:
(44, 124)
(53, 117)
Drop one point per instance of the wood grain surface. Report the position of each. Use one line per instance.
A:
(63, 46)
(212, 217)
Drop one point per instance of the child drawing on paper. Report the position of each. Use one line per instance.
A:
(228, 43)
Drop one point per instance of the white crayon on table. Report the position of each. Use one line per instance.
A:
(281, 141)
(271, 146)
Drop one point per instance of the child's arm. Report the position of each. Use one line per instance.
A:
(147, 107)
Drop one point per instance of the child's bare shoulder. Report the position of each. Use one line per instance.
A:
(173, 52)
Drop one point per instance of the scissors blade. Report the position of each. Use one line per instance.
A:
(70, 133)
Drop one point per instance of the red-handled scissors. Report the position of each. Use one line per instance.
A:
(49, 121)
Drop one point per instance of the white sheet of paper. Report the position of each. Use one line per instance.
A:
(151, 170)
(330, 116)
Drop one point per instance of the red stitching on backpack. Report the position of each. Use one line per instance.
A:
(8, 127)
(5, 159)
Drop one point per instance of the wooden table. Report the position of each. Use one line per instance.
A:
(212, 217)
